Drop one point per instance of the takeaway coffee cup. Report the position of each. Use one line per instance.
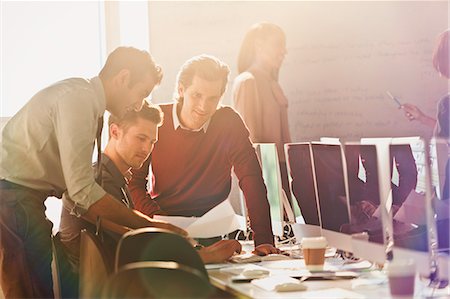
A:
(402, 274)
(314, 252)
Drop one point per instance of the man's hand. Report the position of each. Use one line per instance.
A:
(265, 249)
(220, 251)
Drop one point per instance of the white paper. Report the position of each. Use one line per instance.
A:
(218, 221)
(273, 283)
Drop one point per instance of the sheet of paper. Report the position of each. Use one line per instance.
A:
(179, 221)
(218, 221)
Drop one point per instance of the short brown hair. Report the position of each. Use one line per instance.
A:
(206, 67)
(440, 54)
(148, 112)
(138, 62)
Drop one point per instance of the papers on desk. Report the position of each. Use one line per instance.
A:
(238, 270)
(218, 221)
(279, 284)
(253, 258)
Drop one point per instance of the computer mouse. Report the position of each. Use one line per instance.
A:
(290, 287)
(255, 273)
(275, 257)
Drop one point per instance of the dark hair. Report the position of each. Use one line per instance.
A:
(205, 66)
(258, 32)
(138, 62)
(440, 54)
(148, 112)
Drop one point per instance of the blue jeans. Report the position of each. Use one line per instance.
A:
(25, 243)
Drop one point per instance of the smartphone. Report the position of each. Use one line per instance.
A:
(394, 99)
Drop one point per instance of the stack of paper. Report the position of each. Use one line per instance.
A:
(218, 221)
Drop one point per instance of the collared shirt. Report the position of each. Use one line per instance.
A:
(177, 123)
(48, 144)
(113, 181)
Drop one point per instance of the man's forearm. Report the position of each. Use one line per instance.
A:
(109, 208)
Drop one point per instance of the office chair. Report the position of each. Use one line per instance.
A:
(65, 281)
(95, 265)
(156, 244)
(157, 280)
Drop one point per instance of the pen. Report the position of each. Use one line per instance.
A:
(395, 99)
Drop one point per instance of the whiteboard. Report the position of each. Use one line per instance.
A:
(342, 57)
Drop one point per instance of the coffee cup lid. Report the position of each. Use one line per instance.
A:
(399, 267)
(314, 242)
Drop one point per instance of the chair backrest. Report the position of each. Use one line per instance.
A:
(157, 280)
(95, 265)
(65, 280)
(156, 244)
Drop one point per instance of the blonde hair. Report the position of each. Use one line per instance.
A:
(258, 32)
(206, 67)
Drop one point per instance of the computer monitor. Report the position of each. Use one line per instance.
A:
(332, 193)
(304, 196)
(440, 168)
(408, 190)
(363, 188)
(412, 195)
(364, 199)
(268, 158)
(440, 173)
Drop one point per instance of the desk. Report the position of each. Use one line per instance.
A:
(371, 284)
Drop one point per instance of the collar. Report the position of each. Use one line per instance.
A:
(112, 169)
(177, 123)
(99, 91)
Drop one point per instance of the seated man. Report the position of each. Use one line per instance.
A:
(199, 145)
(131, 141)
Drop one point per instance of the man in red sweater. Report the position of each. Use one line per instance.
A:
(200, 143)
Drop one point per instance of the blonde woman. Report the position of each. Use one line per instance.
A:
(257, 94)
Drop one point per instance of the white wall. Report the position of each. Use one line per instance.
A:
(342, 57)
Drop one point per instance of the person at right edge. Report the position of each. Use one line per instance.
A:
(257, 95)
(441, 124)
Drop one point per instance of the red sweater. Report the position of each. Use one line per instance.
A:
(191, 171)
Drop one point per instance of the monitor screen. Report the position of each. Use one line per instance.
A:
(440, 173)
(363, 188)
(331, 189)
(332, 193)
(408, 186)
(440, 168)
(364, 200)
(268, 158)
(298, 156)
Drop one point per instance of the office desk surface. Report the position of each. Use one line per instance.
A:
(370, 284)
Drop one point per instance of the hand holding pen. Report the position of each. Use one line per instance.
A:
(412, 112)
